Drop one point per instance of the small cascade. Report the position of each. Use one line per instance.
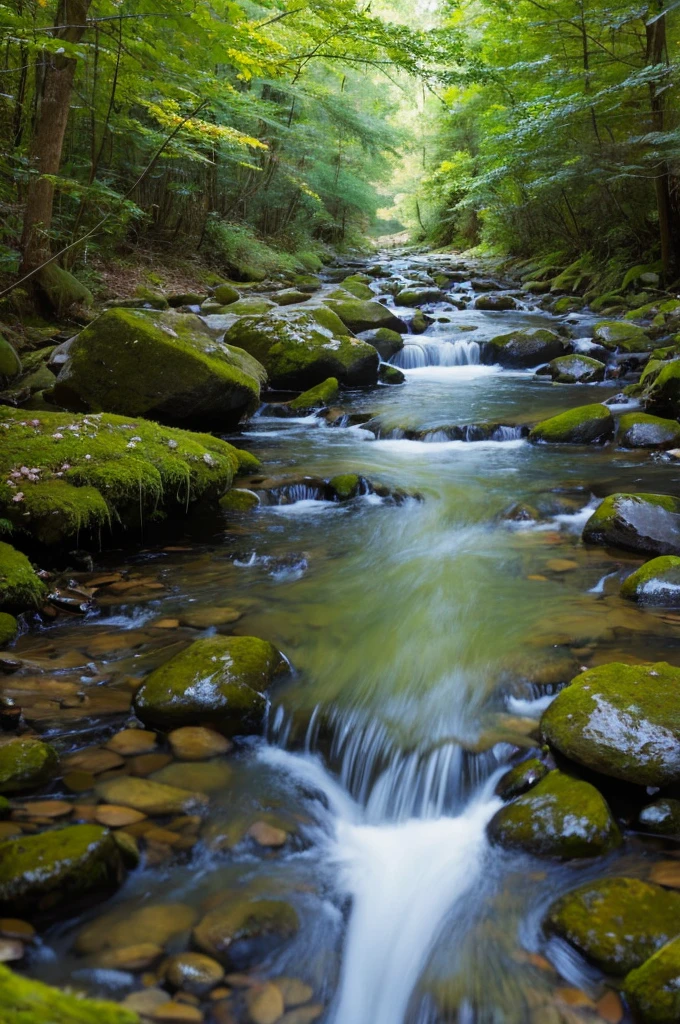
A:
(417, 354)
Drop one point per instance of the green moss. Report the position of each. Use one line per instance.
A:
(239, 500)
(588, 424)
(521, 778)
(247, 462)
(27, 1001)
(9, 627)
(360, 315)
(655, 582)
(568, 304)
(663, 392)
(251, 306)
(617, 923)
(25, 763)
(576, 369)
(290, 297)
(650, 308)
(220, 680)
(559, 817)
(640, 430)
(620, 720)
(386, 341)
(20, 586)
(390, 374)
(61, 289)
(648, 523)
(225, 294)
(151, 297)
(537, 287)
(346, 485)
(307, 282)
(316, 398)
(10, 364)
(186, 299)
(614, 334)
(653, 990)
(357, 285)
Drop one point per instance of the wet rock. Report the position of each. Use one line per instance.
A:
(652, 988)
(620, 720)
(44, 871)
(385, 340)
(158, 923)
(150, 797)
(303, 1014)
(220, 681)
(418, 296)
(20, 586)
(9, 628)
(145, 1002)
(295, 991)
(193, 972)
(195, 743)
(617, 923)
(662, 388)
(662, 817)
(265, 1004)
(243, 932)
(225, 294)
(322, 395)
(588, 424)
(208, 618)
(93, 760)
(290, 297)
(10, 364)
(303, 348)
(390, 374)
(176, 1013)
(640, 430)
(251, 305)
(367, 315)
(132, 741)
(267, 835)
(657, 582)
(645, 523)
(525, 348)
(626, 337)
(576, 369)
(130, 958)
(27, 1001)
(202, 776)
(115, 816)
(520, 779)
(495, 303)
(25, 763)
(239, 499)
(559, 817)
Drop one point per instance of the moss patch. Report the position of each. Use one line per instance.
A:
(316, 398)
(662, 388)
(640, 430)
(345, 485)
(239, 500)
(25, 763)
(614, 334)
(525, 348)
(657, 582)
(576, 369)
(647, 523)
(588, 424)
(365, 315)
(61, 289)
(9, 627)
(20, 586)
(653, 990)
(10, 364)
(26, 1001)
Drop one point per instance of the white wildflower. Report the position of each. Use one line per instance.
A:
(19, 496)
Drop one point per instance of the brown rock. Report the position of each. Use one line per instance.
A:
(11, 950)
(157, 924)
(303, 1014)
(145, 764)
(148, 796)
(176, 1013)
(166, 624)
(132, 741)
(204, 618)
(9, 829)
(194, 743)
(561, 564)
(13, 928)
(78, 782)
(130, 958)
(666, 872)
(93, 760)
(162, 836)
(610, 1007)
(85, 812)
(114, 816)
(44, 809)
(267, 835)
(295, 992)
(199, 776)
(145, 1002)
(193, 972)
(265, 1004)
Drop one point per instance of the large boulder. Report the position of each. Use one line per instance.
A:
(303, 347)
(576, 369)
(620, 720)
(367, 315)
(243, 931)
(657, 582)
(418, 296)
(559, 817)
(10, 364)
(27, 1001)
(385, 340)
(627, 337)
(525, 348)
(163, 365)
(652, 988)
(646, 523)
(617, 923)
(662, 394)
(39, 873)
(640, 430)
(20, 586)
(25, 763)
(219, 681)
(588, 424)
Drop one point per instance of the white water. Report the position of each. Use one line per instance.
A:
(417, 354)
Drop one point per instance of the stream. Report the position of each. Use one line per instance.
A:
(424, 639)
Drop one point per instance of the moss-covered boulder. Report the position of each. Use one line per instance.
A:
(627, 337)
(25, 763)
(60, 290)
(9, 628)
(588, 424)
(576, 369)
(225, 294)
(662, 388)
(163, 365)
(220, 681)
(521, 778)
(653, 988)
(620, 720)
(645, 523)
(27, 1001)
(559, 817)
(495, 303)
(64, 476)
(251, 305)
(640, 430)
(418, 296)
(345, 485)
(176, 299)
(316, 398)
(657, 582)
(525, 348)
(244, 931)
(357, 285)
(40, 873)
(390, 374)
(617, 923)
(367, 315)
(290, 297)
(20, 586)
(303, 348)
(385, 340)
(10, 364)
(239, 499)
(662, 817)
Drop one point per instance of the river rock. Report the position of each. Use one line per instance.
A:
(220, 681)
(620, 720)
(390, 374)
(158, 923)
(135, 958)
(559, 817)
(385, 340)
(587, 424)
(20, 586)
(618, 334)
(9, 628)
(243, 932)
(640, 430)
(657, 582)
(315, 398)
(304, 347)
(418, 296)
(149, 796)
(368, 315)
(28, 1001)
(226, 294)
(290, 297)
(662, 391)
(661, 817)
(199, 776)
(495, 303)
(162, 365)
(25, 763)
(131, 741)
(617, 923)
(652, 988)
(10, 364)
(521, 778)
(43, 871)
(265, 1003)
(193, 972)
(195, 743)
(645, 523)
(576, 369)
(525, 348)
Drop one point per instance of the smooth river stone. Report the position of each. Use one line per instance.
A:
(119, 928)
(149, 796)
(204, 618)
(130, 958)
(132, 741)
(115, 816)
(265, 834)
(195, 743)
(193, 972)
(295, 992)
(201, 776)
(265, 1004)
(93, 760)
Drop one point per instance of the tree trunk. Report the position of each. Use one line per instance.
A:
(48, 138)
(669, 221)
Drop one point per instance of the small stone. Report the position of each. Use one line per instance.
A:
(267, 835)
(204, 618)
(176, 1013)
(303, 1014)
(146, 764)
(195, 743)
(114, 816)
(561, 564)
(85, 812)
(145, 1002)
(9, 829)
(193, 972)
(610, 1007)
(162, 836)
(132, 741)
(93, 760)
(666, 872)
(295, 992)
(574, 997)
(13, 928)
(47, 809)
(148, 796)
(200, 776)
(158, 924)
(221, 992)
(166, 624)
(265, 1004)
(130, 958)
(11, 950)
(78, 782)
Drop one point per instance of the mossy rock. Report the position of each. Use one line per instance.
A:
(644, 523)
(521, 778)
(537, 287)
(10, 364)
(614, 334)
(26, 763)
(620, 720)
(346, 485)
(559, 817)
(616, 923)
(386, 341)
(307, 282)
(495, 303)
(185, 299)
(92, 472)
(226, 294)
(357, 286)
(641, 430)
(525, 348)
(247, 462)
(253, 305)
(662, 388)
(290, 297)
(303, 348)
(568, 304)
(390, 374)
(9, 628)
(40, 873)
(163, 365)
(657, 582)
(316, 398)
(220, 681)
(150, 297)
(358, 315)
(243, 932)
(662, 817)
(60, 289)
(239, 499)
(20, 586)
(27, 1001)
(418, 296)
(653, 990)
(576, 369)
(588, 424)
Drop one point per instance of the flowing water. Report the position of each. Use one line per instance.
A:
(424, 638)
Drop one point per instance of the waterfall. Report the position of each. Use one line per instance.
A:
(416, 354)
